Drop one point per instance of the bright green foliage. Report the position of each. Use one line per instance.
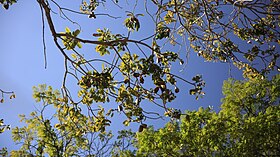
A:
(123, 145)
(251, 97)
(104, 36)
(68, 132)
(248, 124)
(69, 40)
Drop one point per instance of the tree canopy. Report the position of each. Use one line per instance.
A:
(134, 66)
(246, 125)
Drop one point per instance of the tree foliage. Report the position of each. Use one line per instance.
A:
(247, 125)
(134, 71)
(129, 71)
(66, 132)
(203, 23)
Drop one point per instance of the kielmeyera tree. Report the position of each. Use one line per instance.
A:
(213, 29)
(134, 71)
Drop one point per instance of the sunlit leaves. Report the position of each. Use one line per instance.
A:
(95, 87)
(265, 93)
(162, 32)
(102, 50)
(125, 138)
(46, 94)
(132, 22)
(89, 7)
(126, 122)
(242, 33)
(69, 40)
(169, 17)
(216, 38)
(65, 133)
(100, 122)
(161, 142)
(106, 36)
(247, 124)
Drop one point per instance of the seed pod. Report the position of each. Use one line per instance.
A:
(65, 99)
(136, 74)
(142, 127)
(6, 6)
(126, 81)
(92, 15)
(177, 90)
(156, 89)
(96, 34)
(141, 79)
(181, 62)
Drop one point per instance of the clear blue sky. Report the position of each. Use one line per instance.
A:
(22, 64)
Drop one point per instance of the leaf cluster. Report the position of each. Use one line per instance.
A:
(7, 3)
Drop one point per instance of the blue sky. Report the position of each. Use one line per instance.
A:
(22, 64)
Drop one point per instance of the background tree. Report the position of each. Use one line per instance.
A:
(246, 125)
(66, 132)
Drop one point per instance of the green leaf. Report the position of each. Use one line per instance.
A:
(74, 56)
(67, 30)
(79, 45)
(76, 32)
(126, 122)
